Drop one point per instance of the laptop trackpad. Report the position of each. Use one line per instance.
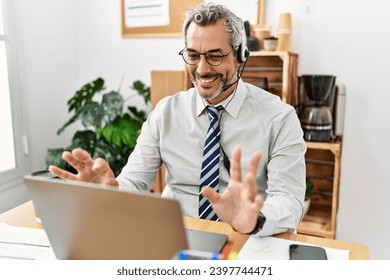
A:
(205, 241)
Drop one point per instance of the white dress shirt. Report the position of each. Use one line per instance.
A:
(254, 119)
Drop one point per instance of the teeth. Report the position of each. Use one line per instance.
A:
(206, 80)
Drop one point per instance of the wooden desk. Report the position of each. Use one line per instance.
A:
(23, 215)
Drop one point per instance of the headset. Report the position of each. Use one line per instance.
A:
(242, 51)
(242, 57)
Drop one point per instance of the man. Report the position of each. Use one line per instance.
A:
(230, 113)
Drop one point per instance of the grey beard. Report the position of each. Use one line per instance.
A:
(217, 92)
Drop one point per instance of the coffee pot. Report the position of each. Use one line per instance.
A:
(316, 102)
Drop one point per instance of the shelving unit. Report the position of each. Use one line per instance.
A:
(323, 168)
(280, 69)
(322, 159)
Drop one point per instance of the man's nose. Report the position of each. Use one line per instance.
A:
(203, 66)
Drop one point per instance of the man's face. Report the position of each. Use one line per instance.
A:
(209, 79)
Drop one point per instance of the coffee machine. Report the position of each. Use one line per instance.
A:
(316, 106)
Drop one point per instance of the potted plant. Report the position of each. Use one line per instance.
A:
(109, 131)
(308, 192)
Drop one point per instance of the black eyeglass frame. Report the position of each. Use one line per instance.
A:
(182, 53)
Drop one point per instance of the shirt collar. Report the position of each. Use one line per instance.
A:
(232, 104)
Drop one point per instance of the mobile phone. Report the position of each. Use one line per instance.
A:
(304, 252)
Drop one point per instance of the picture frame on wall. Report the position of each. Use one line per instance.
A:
(162, 18)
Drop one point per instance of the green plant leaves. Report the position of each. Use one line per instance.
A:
(124, 131)
(91, 113)
(142, 90)
(109, 132)
(136, 114)
(309, 188)
(105, 150)
(54, 157)
(112, 105)
(85, 94)
(85, 140)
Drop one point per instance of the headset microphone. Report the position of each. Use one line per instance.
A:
(228, 85)
(242, 57)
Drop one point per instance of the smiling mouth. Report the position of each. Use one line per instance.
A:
(207, 81)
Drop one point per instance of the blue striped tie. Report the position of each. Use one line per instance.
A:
(209, 175)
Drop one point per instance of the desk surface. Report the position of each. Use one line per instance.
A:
(23, 215)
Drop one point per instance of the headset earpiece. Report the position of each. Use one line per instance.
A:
(242, 51)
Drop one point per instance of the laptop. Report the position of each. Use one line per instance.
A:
(91, 221)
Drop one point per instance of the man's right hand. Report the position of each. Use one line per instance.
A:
(88, 169)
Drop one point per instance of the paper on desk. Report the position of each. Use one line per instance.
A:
(24, 243)
(272, 248)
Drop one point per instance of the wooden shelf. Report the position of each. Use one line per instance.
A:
(279, 68)
(323, 167)
(334, 147)
(322, 158)
(317, 223)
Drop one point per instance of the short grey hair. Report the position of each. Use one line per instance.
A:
(209, 14)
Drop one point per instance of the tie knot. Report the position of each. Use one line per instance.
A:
(214, 112)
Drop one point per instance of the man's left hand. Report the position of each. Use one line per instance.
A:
(240, 204)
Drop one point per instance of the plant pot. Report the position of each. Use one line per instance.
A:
(306, 206)
(270, 43)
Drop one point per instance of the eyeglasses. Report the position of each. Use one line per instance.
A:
(213, 58)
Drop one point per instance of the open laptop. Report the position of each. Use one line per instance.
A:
(90, 221)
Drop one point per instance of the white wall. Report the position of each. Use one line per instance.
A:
(46, 32)
(349, 39)
(64, 44)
